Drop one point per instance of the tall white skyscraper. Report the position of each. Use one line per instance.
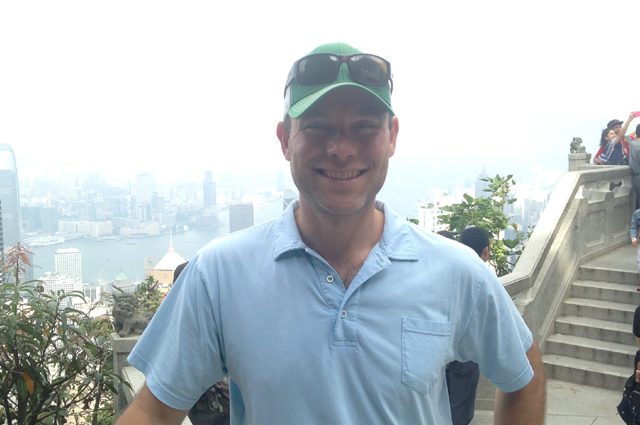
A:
(69, 264)
(9, 198)
(240, 216)
(208, 190)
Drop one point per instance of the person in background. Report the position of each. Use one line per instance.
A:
(462, 377)
(339, 311)
(634, 163)
(614, 144)
(633, 234)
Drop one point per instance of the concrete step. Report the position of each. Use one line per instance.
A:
(603, 330)
(606, 291)
(596, 309)
(605, 274)
(586, 372)
(591, 349)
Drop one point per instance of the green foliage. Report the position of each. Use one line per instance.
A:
(148, 296)
(488, 212)
(55, 361)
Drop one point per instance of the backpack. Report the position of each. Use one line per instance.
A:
(213, 406)
(629, 407)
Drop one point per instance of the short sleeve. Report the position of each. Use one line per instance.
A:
(179, 352)
(497, 338)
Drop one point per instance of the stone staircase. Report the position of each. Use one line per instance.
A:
(593, 343)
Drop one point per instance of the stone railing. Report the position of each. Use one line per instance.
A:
(588, 214)
(122, 346)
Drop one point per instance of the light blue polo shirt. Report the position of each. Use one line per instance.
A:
(301, 349)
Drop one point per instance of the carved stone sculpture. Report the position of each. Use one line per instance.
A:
(126, 320)
(576, 146)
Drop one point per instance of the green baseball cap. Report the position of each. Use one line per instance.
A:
(299, 98)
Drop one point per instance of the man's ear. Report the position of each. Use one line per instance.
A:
(395, 127)
(283, 136)
(486, 253)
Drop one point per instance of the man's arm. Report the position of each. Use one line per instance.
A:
(620, 136)
(527, 405)
(146, 409)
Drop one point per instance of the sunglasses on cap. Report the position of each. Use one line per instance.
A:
(323, 68)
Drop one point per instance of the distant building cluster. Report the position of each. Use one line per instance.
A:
(87, 207)
(74, 207)
(525, 212)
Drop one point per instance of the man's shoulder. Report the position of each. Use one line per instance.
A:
(256, 237)
(430, 244)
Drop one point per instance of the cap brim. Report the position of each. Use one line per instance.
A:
(301, 106)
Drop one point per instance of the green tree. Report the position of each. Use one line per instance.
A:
(148, 296)
(55, 361)
(488, 212)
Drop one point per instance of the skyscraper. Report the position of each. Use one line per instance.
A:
(143, 193)
(208, 190)
(240, 216)
(9, 197)
(69, 264)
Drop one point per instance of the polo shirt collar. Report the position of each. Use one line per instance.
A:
(397, 241)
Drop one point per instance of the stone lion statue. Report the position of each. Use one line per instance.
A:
(126, 320)
(576, 146)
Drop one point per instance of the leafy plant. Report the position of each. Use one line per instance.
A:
(148, 295)
(488, 212)
(55, 361)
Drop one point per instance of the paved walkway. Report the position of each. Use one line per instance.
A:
(572, 404)
(622, 258)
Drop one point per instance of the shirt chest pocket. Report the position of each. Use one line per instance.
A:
(425, 345)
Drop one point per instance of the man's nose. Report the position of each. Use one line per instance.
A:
(341, 146)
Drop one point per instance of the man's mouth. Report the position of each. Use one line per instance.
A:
(342, 175)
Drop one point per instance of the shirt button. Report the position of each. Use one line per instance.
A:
(343, 313)
(329, 279)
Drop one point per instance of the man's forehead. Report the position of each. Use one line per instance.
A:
(363, 110)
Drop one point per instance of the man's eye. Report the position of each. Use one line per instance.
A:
(365, 126)
(317, 128)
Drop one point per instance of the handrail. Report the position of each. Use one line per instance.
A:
(586, 216)
(530, 262)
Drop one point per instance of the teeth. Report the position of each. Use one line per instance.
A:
(342, 175)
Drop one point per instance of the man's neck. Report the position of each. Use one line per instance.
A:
(343, 241)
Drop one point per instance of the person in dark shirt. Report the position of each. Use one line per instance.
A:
(462, 377)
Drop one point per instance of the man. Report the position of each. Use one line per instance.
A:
(462, 377)
(477, 238)
(634, 163)
(336, 312)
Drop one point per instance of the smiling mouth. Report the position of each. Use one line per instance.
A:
(342, 175)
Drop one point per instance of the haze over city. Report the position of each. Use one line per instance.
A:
(175, 89)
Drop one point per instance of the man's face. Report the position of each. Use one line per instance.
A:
(339, 152)
(616, 129)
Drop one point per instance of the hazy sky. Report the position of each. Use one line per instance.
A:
(175, 88)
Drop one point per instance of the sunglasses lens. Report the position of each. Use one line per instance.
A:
(369, 69)
(317, 69)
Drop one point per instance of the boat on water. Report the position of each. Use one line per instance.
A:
(45, 240)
